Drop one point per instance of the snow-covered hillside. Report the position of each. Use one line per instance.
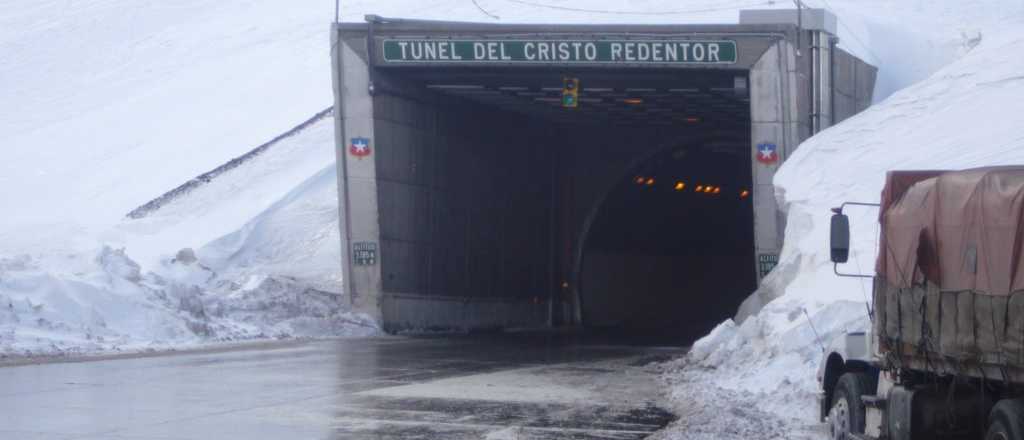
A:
(110, 103)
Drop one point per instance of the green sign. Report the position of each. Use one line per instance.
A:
(767, 262)
(560, 51)
(364, 253)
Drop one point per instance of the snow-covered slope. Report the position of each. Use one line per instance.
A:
(966, 115)
(110, 103)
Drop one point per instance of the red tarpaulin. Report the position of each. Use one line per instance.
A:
(960, 230)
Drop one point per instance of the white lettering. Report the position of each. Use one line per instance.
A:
(404, 45)
(698, 52)
(442, 52)
(590, 51)
(576, 47)
(417, 51)
(492, 51)
(713, 52)
(616, 51)
(504, 56)
(528, 51)
(455, 55)
(479, 51)
(686, 51)
(643, 52)
(543, 52)
(656, 52)
(630, 51)
(563, 51)
(430, 51)
(671, 52)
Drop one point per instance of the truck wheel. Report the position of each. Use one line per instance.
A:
(846, 415)
(1006, 421)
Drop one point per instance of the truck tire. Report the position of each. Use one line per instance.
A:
(1006, 420)
(846, 413)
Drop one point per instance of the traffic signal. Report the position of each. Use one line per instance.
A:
(570, 92)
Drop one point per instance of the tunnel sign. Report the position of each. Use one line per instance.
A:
(364, 253)
(766, 262)
(560, 51)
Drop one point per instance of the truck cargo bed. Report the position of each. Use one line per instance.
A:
(951, 332)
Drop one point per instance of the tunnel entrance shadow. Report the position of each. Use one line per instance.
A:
(669, 252)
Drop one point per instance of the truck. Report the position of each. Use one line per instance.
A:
(944, 355)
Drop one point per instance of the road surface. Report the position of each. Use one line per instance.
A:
(536, 386)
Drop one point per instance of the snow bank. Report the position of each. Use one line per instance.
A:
(108, 304)
(297, 237)
(966, 115)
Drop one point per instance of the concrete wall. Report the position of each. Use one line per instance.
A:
(853, 85)
(357, 178)
(464, 196)
(778, 93)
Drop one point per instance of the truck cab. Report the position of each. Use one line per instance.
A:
(944, 355)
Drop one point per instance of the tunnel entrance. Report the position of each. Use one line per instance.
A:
(501, 209)
(471, 197)
(670, 248)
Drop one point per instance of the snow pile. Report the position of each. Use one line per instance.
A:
(298, 237)
(268, 266)
(108, 304)
(966, 115)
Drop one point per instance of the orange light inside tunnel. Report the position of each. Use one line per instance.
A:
(699, 188)
(717, 190)
(692, 120)
(633, 101)
(639, 180)
(744, 194)
(708, 188)
(680, 186)
(650, 181)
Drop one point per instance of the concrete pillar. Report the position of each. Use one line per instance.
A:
(357, 179)
(774, 120)
(821, 101)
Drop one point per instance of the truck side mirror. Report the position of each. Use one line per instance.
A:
(840, 238)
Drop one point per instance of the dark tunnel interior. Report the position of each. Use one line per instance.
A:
(628, 214)
(671, 249)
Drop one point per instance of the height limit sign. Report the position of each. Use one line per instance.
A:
(364, 253)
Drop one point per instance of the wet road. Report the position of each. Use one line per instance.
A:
(493, 387)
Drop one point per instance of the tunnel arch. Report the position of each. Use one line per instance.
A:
(739, 143)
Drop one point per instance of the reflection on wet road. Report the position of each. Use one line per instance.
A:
(494, 387)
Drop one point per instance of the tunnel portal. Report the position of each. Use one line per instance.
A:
(473, 197)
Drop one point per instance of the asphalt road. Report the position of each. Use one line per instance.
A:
(544, 386)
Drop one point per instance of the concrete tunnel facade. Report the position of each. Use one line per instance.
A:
(470, 198)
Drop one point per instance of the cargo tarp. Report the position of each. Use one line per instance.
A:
(961, 230)
(949, 296)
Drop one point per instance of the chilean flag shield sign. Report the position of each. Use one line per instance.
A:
(360, 147)
(767, 153)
